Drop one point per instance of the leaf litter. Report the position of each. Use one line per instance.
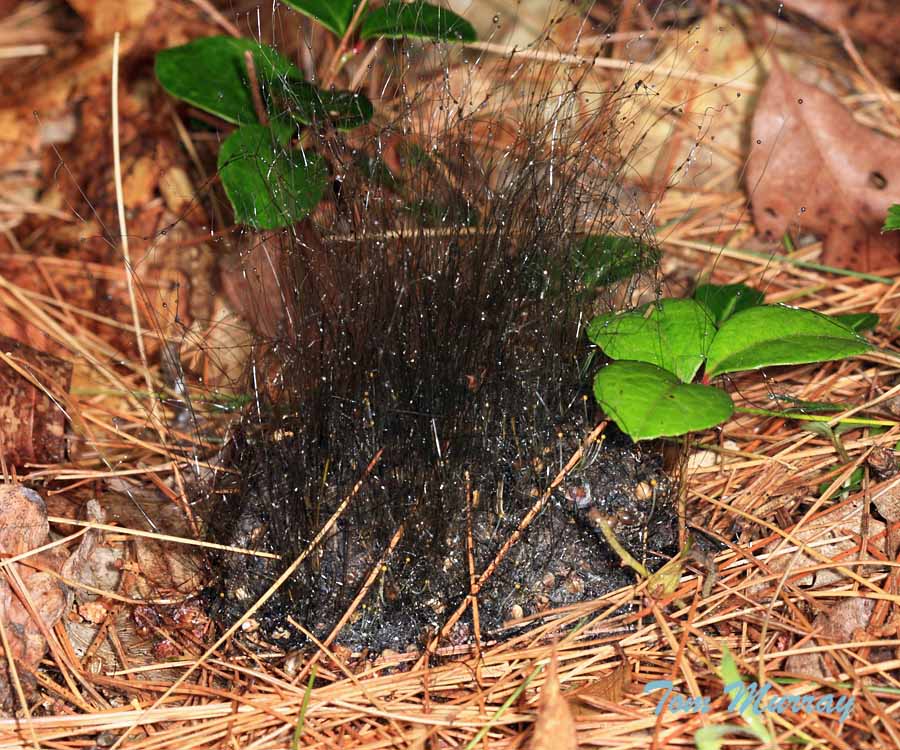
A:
(812, 167)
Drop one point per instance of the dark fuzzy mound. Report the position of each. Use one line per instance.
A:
(435, 318)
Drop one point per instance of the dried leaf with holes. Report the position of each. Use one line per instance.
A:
(813, 167)
(883, 462)
(554, 728)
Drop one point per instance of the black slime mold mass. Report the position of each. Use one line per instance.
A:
(432, 314)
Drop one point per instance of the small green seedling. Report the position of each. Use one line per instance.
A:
(659, 349)
(270, 182)
(713, 737)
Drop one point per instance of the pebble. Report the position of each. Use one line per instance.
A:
(643, 491)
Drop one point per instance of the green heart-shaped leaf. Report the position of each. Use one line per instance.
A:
(310, 105)
(779, 335)
(418, 20)
(334, 15)
(723, 301)
(269, 184)
(647, 402)
(211, 73)
(673, 334)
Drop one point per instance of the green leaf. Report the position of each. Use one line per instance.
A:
(892, 220)
(601, 260)
(647, 402)
(724, 301)
(419, 20)
(211, 73)
(673, 334)
(334, 15)
(858, 322)
(779, 335)
(269, 185)
(310, 105)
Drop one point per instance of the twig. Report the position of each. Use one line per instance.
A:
(255, 94)
(645, 69)
(883, 93)
(363, 66)
(162, 537)
(23, 50)
(214, 13)
(509, 543)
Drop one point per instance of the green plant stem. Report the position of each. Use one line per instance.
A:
(812, 266)
(298, 730)
(775, 257)
(788, 243)
(861, 421)
(502, 710)
(623, 553)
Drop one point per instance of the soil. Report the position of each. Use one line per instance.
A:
(493, 475)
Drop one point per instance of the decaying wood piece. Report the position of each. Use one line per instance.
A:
(32, 423)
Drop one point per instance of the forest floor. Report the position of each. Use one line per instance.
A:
(802, 600)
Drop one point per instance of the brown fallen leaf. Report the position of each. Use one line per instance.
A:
(813, 167)
(104, 17)
(872, 21)
(837, 625)
(34, 587)
(253, 283)
(554, 728)
(609, 687)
